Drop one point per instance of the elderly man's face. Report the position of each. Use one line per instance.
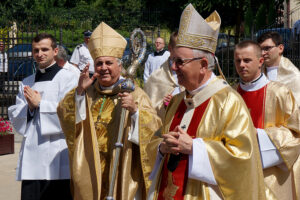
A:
(108, 69)
(190, 72)
(159, 44)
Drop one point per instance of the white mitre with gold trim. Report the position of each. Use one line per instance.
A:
(105, 41)
(197, 33)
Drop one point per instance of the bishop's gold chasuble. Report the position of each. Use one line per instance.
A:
(273, 108)
(91, 144)
(221, 118)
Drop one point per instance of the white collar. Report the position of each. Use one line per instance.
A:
(44, 69)
(193, 92)
(255, 85)
(272, 68)
(112, 86)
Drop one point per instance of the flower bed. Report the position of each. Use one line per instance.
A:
(6, 138)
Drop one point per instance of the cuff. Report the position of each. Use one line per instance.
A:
(133, 135)
(199, 165)
(269, 154)
(80, 107)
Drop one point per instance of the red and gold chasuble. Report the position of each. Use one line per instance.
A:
(255, 101)
(173, 183)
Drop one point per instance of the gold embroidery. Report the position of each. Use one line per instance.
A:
(146, 117)
(200, 40)
(171, 189)
(102, 120)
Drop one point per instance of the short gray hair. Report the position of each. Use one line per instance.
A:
(120, 62)
(62, 53)
(210, 57)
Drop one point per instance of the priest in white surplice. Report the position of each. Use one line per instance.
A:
(277, 67)
(43, 165)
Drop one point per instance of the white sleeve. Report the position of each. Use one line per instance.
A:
(147, 69)
(133, 135)
(80, 107)
(166, 56)
(49, 121)
(18, 113)
(158, 160)
(269, 154)
(199, 165)
(75, 56)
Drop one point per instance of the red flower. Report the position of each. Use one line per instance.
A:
(5, 127)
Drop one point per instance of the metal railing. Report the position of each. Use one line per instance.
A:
(21, 64)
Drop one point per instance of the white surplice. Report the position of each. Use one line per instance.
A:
(44, 152)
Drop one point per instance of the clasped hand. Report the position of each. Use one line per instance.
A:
(32, 97)
(177, 141)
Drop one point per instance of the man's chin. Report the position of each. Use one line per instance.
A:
(106, 82)
(42, 65)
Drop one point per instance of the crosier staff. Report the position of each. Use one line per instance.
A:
(126, 86)
(138, 48)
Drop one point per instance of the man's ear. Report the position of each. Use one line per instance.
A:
(55, 51)
(281, 49)
(261, 61)
(204, 63)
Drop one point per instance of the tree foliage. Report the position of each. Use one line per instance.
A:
(127, 14)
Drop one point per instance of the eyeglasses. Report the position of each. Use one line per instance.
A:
(267, 48)
(181, 62)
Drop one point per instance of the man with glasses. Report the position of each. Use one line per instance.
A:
(277, 67)
(276, 116)
(208, 148)
(156, 59)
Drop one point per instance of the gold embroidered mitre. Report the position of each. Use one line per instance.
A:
(105, 41)
(197, 33)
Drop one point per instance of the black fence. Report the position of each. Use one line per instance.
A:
(18, 62)
(226, 43)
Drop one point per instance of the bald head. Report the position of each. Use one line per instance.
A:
(159, 44)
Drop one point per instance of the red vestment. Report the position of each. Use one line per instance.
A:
(180, 175)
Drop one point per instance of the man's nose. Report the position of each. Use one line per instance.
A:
(242, 64)
(39, 53)
(103, 66)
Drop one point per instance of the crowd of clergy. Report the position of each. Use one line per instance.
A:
(188, 135)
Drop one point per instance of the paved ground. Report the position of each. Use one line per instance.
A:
(10, 189)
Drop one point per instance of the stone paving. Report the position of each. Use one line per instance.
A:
(10, 189)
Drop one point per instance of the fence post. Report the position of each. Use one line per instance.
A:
(158, 31)
(227, 50)
(60, 36)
